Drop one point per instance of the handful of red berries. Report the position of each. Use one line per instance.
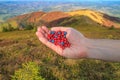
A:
(58, 38)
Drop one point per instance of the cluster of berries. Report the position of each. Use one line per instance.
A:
(58, 38)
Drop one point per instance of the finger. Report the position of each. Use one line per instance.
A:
(39, 34)
(59, 28)
(45, 29)
(44, 40)
(51, 45)
(40, 30)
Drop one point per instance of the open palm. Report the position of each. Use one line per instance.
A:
(76, 39)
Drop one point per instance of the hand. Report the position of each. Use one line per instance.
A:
(77, 40)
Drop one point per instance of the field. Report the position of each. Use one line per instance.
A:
(18, 47)
(24, 57)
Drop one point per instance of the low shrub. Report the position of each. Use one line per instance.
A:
(29, 71)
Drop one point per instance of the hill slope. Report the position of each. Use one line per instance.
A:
(31, 17)
(98, 17)
(19, 47)
(58, 18)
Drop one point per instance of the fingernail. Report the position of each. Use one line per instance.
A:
(36, 33)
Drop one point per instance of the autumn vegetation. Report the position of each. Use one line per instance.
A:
(24, 57)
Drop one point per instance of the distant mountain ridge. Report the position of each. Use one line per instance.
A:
(11, 8)
(39, 18)
(52, 18)
(98, 17)
(31, 17)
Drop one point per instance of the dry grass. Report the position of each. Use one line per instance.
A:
(23, 46)
(98, 17)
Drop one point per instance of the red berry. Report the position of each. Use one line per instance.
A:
(58, 38)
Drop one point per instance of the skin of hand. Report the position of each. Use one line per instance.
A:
(104, 49)
(78, 48)
(81, 47)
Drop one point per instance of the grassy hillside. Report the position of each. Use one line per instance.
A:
(101, 18)
(96, 16)
(19, 47)
(56, 17)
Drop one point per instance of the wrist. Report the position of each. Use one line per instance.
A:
(93, 49)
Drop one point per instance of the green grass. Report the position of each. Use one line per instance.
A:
(19, 47)
(90, 28)
(29, 71)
